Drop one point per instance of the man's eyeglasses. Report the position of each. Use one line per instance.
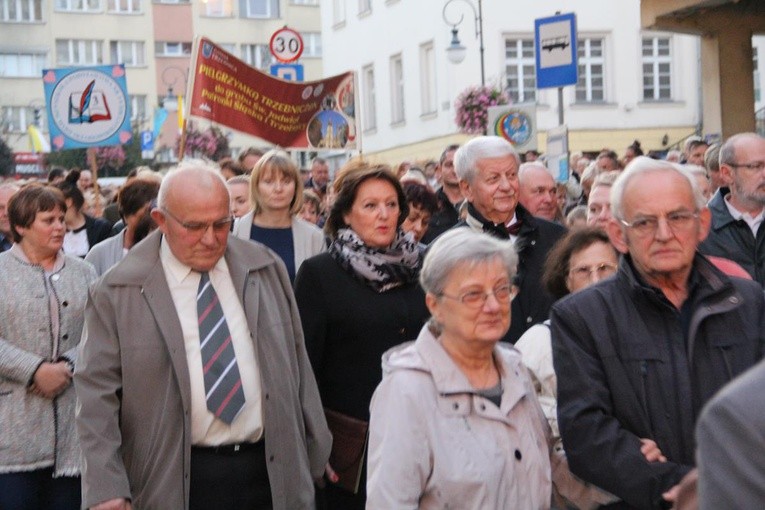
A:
(648, 225)
(477, 298)
(585, 272)
(757, 166)
(220, 226)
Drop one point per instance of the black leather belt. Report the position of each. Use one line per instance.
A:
(230, 448)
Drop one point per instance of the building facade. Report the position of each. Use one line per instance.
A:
(154, 40)
(633, 84)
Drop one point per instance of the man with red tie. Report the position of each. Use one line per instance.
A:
(194, 385)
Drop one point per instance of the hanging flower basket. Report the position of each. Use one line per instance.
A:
(472, 106)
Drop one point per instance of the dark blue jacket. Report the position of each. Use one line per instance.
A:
(631, 366)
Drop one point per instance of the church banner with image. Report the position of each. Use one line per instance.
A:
(87, 106)
(294, 115)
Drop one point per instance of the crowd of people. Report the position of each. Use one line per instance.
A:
(463, 332)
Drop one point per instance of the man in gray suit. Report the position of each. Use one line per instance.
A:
(731, 445)
(194, 387)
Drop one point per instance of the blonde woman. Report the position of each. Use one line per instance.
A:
(276, 195)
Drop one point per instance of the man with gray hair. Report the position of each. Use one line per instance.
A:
(638, 355)
(193, 384)
(738, 211)
(7, 190)
(538, 193)
(487, 167)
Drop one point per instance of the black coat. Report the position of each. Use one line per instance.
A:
(97, 230)
(443, 219)
(630, 366)
(348, 326)
(535, 239)
(733, 239)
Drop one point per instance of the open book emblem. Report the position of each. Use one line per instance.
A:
(89, 106)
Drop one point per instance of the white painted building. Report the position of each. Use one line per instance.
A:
(634, 84)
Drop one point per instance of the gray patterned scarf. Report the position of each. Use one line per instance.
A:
(380, 269)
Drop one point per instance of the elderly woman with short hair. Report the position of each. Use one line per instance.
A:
(455, 421)
(41, 319)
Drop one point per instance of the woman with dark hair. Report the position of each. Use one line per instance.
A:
(41, 320)
(422, 204)
(359, 299)
(276, 195)
(633, 150)
(82, 231)
(581, 258)
(134, 201)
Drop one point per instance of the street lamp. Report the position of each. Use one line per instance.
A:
(456, 51)
(170, 101)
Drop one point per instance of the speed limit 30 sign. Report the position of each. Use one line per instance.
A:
(286, 45)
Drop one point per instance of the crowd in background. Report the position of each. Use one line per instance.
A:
(508, 340)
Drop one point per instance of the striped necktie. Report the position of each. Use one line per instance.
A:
(223, 385)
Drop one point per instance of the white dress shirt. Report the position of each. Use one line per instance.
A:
(206, 429)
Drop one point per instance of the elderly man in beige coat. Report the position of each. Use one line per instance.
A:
(153, 434)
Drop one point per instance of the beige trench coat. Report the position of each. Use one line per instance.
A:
(132, 384)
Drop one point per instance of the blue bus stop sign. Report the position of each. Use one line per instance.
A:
(555, 49)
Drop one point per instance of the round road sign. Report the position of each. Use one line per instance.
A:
(286, 45)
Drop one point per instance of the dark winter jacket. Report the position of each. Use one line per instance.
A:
(630, 366)
(733, 239)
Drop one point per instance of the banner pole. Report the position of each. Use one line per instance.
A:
(91, 153)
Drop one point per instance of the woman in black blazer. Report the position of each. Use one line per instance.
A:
(360, 298)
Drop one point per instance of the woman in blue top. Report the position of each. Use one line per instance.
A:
(276, 194)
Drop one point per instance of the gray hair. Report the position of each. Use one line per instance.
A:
(463, 246)
(186, 169)
(10, 186)
(481, 147)
(607, 178)
(695, 170)
(712, 158)
(525, 168)
(643, 165)
(728, 149)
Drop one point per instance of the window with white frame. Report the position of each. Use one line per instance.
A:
(218, 8)
(130, 53)
(78, 5)
(657, 68)
(124, 6)
(338, 12)
(78, 51)
(396, 89)
(21, 65)
(590, 88)
(365, 6)
(428, 78)
(20, 10)
(262, 8)
(16, 119)
(311, 44)
(172, 1)
(304, 2)
(257, 55)
(229, 47)
(138, 108)
(520, 70)
(370, 105)
(755, 66)
(172, 49)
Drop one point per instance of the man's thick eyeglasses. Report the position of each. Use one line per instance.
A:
(477, 298)
(757, 166)
(648, 225)
(222, 225)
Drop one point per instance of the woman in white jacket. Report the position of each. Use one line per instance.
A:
(455, 422)
(276, 194)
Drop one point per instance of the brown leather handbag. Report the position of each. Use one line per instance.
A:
(349, 446)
